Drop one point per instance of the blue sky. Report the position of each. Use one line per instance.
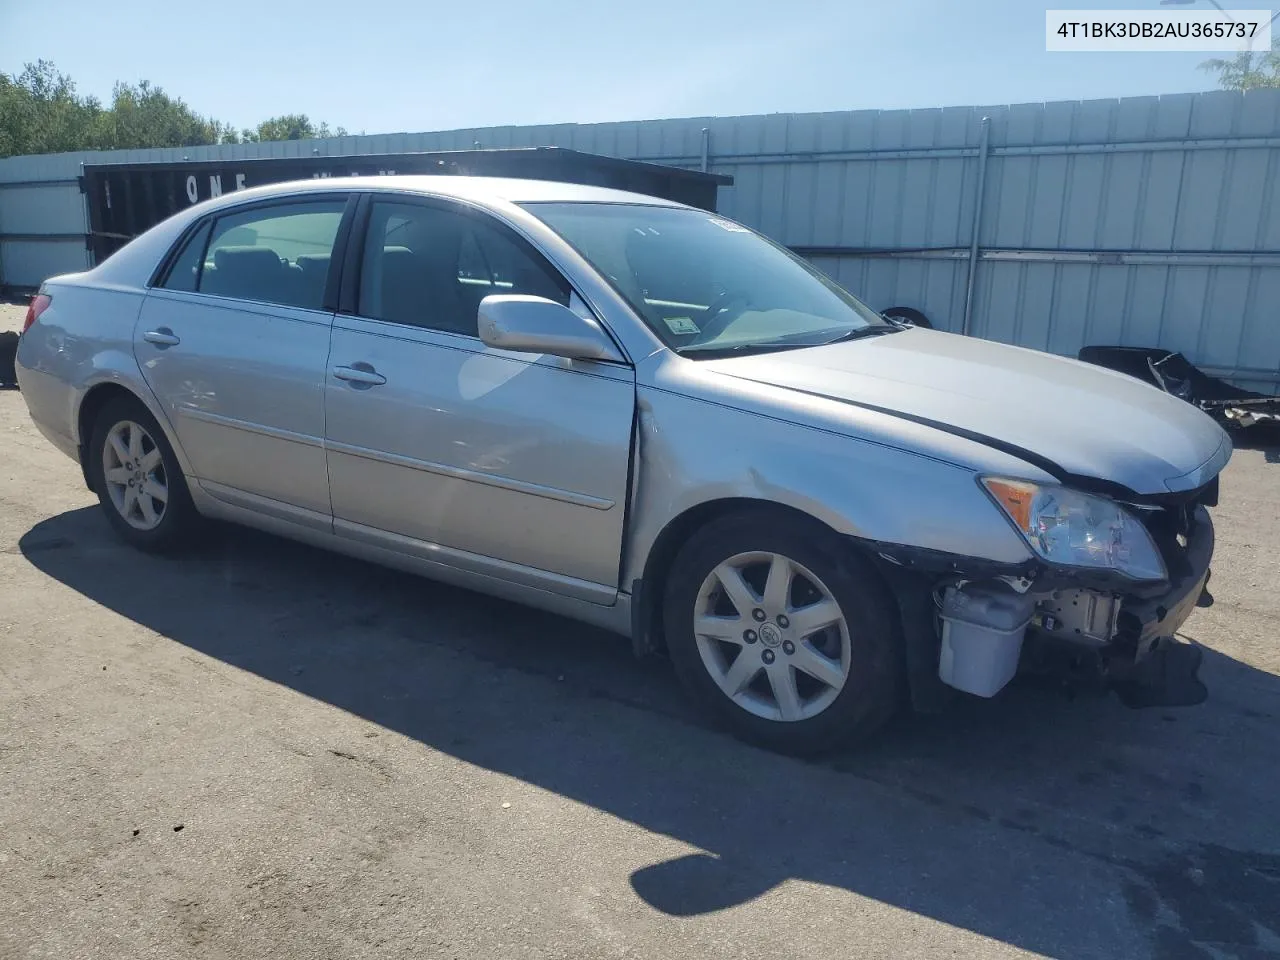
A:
(384, 66)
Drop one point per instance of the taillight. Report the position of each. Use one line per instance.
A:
(39, 304)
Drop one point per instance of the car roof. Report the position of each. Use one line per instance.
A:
(476, 189)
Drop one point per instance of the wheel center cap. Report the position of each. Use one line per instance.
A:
(770, 635)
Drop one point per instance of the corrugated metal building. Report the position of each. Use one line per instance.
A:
(1150, 221)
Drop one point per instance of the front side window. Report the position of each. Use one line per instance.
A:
(429, 266)
(277, 254)
(706, 285)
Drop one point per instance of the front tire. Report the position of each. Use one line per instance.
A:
(784, 633)
(136, 476)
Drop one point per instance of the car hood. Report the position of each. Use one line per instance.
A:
(1086, 421)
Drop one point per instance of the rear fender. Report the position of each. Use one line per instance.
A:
(115, 372)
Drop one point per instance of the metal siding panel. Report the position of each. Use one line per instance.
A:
(1009, 181)
(1261, 386)
(1198, 219)
(828, 204)
(747, 188)
(1141, 323)
(1163, 186)
(773, 201)
(801, 208)
(1269, 227)
(649, 143)
(1108, 295)
(1135, 118)
(1260, 337)
(998, 299)
(1242, 207)
(831, 131)
(891, 129)
(1259, 114)
(1048, 201)
(879, 283)
(952, 190)
(29, 263)
(1214, 114)
(908, 283)
(917, 202)
(886, 203)
(1184, 309)
(628, 140)
(956, 126)
(773, 133)
(861, 130)
(1082, 201)
(1036, 310)
(922, 128)
(1122, 192)
(56, 209)
(1173, 116)
(1222, 330)
(1070, 307)
(856, 210)
(855, 275)
(1056, 122)
(1022, 122)
(727, 199)
(1093, 121)
(724, 137)
(802, 133)
(944, 294)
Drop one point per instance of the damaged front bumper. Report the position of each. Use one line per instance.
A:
(1084, 628)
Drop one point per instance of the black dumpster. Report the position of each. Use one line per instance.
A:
(124, 199)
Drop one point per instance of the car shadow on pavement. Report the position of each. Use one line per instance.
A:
(1064, 828)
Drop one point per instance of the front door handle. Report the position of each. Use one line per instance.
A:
(361, 373)
(162, 337)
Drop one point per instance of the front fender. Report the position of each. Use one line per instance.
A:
(691, 451)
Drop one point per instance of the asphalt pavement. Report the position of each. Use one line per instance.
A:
(260, 749)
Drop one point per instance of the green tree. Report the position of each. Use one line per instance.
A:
(146, 116)
(291, 126)
(40, 112)
(1248, 70)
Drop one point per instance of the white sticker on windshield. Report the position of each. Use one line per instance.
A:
(681, 325)
(728, 225)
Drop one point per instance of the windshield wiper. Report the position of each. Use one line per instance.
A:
(862, 333)
(709, 351)
(712, 352)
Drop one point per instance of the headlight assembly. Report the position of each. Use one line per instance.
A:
(1072, 529)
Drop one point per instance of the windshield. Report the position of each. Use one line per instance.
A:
(707, 285)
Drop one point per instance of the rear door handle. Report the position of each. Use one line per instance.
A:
(162, 338)
(360, 374)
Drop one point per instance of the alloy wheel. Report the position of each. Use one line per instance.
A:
(772, 636)
(133, 470)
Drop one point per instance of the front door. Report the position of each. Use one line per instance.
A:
(508, 464)
(234, 342)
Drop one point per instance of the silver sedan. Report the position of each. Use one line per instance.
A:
(643, 416)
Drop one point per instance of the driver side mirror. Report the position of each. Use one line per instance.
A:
(537, 325)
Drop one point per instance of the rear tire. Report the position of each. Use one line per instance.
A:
(822, 640)
(133, 470)
(909, 315)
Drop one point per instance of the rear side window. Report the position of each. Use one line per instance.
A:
(185, 272)
(430, 267)
(277, 254)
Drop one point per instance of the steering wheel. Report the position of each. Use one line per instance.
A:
(718, 316)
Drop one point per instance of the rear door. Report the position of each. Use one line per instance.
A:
(234, 341)
(509, 464)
